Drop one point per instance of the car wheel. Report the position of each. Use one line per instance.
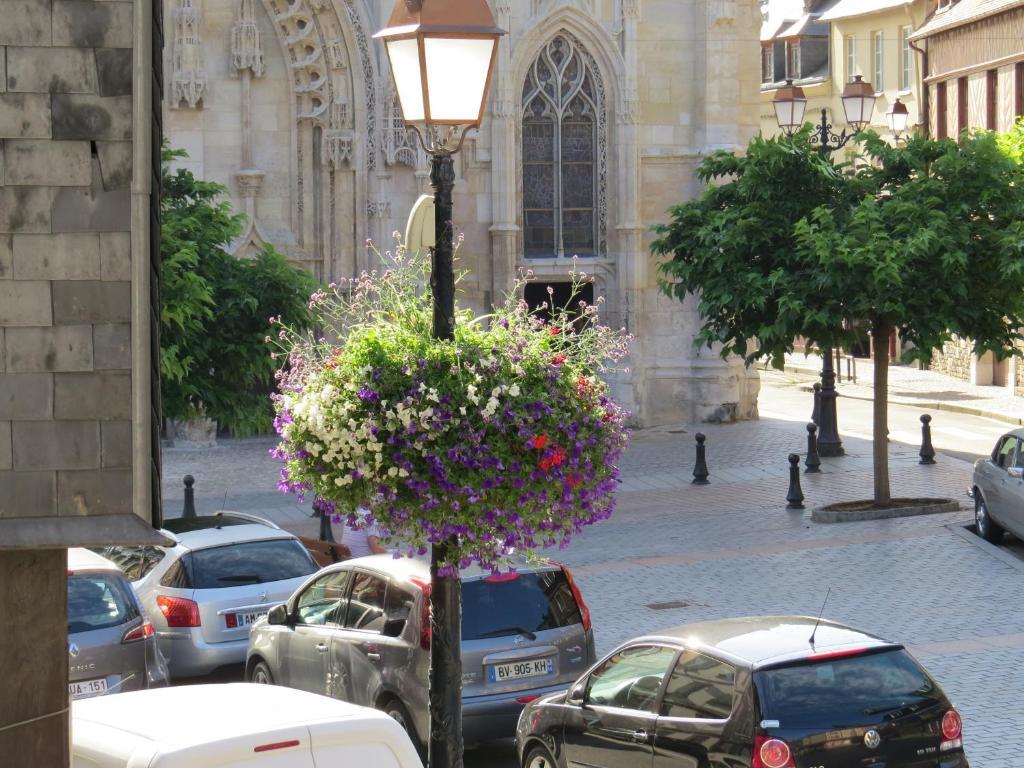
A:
(988, 529)
(261, 674)
(539, 757)
(393, 708)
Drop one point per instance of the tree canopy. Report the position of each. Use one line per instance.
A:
(926, 239)
(214, 308)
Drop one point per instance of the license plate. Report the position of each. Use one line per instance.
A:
(516, 670)
(85, 688)
(245, 619)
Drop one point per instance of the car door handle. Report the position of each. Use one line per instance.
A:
(640, 737)
(322, 647)
(373, 656)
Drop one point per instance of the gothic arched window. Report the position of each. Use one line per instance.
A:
(564, 151)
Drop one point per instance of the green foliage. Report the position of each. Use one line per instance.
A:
(215, 308)
(926, 238)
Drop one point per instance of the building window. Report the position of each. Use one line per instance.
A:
(991, 98)
(767, 64)
(906, 60)
(793, 60)
(1018, 107)
(851, 57)
(941, 130)
(564, 148)
(878, 76)
(961, 105)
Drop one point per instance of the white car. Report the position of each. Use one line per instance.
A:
(233, 726)
(203, 594)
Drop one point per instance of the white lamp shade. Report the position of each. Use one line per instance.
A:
(858, 102)
(405, 68)
(458, 71)
(897, 117)
(790, 105)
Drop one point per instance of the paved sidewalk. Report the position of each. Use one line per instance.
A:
(921, 388)
(731, 548)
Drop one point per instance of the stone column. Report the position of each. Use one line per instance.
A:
(34, 657)
(504, 174)
(247, 62)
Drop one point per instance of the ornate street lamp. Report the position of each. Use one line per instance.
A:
(897, 118)
(442, 55)
(858, 104)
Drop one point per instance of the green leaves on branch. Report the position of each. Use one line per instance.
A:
(215, 308)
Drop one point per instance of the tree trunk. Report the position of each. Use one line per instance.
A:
(880, 427)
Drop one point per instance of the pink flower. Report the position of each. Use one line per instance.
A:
(558, 359)
(555, 330)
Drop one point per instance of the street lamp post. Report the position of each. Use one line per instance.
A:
(790, 104)
(442, 55)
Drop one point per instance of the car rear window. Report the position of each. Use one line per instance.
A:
(98, 601)
(251, 562)
(134, 561)
(844, 690)
(507, 606)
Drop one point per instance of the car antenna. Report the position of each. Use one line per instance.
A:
(222, 505)
(818, 621)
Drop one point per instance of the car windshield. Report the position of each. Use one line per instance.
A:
(523, 605)
(252, 562)
(98, 601)
(134, 561)
(845, 691)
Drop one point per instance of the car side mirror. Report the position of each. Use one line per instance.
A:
(393, 628)
(278, 614)
(1017, 472)
(577, 693)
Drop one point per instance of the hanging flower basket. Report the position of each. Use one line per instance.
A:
(502, 440)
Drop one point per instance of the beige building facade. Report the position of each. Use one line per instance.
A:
(599, 113)
(870, 38)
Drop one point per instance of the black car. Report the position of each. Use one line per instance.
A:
(763, 692)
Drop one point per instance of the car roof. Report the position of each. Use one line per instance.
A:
(419, 567)
(183, 716)
(760, 641)
(232, 532)
(80, 559)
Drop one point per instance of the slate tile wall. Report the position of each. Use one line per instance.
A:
(65, 257)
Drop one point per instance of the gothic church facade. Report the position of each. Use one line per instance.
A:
(599, 113)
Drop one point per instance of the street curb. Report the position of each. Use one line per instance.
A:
(1000, 554)
(826, 515)
(933, 406)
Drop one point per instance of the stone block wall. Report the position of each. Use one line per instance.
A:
(954, 359)
(67, 216)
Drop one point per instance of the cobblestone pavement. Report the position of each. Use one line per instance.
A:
(910, 385)
(732, 549)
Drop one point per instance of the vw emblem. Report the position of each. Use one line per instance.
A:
(872, 739)
(73, 651)
(518, 640)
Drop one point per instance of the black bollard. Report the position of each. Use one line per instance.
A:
(326, 532)
(189, 510)
(812, 462)
(795, 497)
(700, 469)
(816, 413)
(927, 451)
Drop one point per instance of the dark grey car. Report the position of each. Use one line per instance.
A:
(111, 644)
(359, 631)
(998, 489)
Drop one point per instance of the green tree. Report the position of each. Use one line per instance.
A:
(926, 239)
(214, 311)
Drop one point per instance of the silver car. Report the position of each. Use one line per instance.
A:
(111, 644)
(360, 631)
(204, 594)
(998, 489)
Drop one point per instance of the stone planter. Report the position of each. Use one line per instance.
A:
(852, 511)
(192, 434)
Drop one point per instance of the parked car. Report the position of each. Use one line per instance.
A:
(111, 643)
(998, 489)
(763, 692)
(360, 631)
(225, 571)
(233, 726)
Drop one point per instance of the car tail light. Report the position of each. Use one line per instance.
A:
(424, 614)
(772, 753)
(231, 620)
(528, 698)
(141, 632)
(952, 731)
(578, 596)
(276, 745)
(179, 611)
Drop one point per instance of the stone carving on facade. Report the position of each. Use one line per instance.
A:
(337, 54)
(368, 79)
(631, 9)
(246, 48)
(401, 147)
(543, 7)
(378, 209)
(339, 139)
(188, 79)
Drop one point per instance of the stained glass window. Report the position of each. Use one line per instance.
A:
(563, 123)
